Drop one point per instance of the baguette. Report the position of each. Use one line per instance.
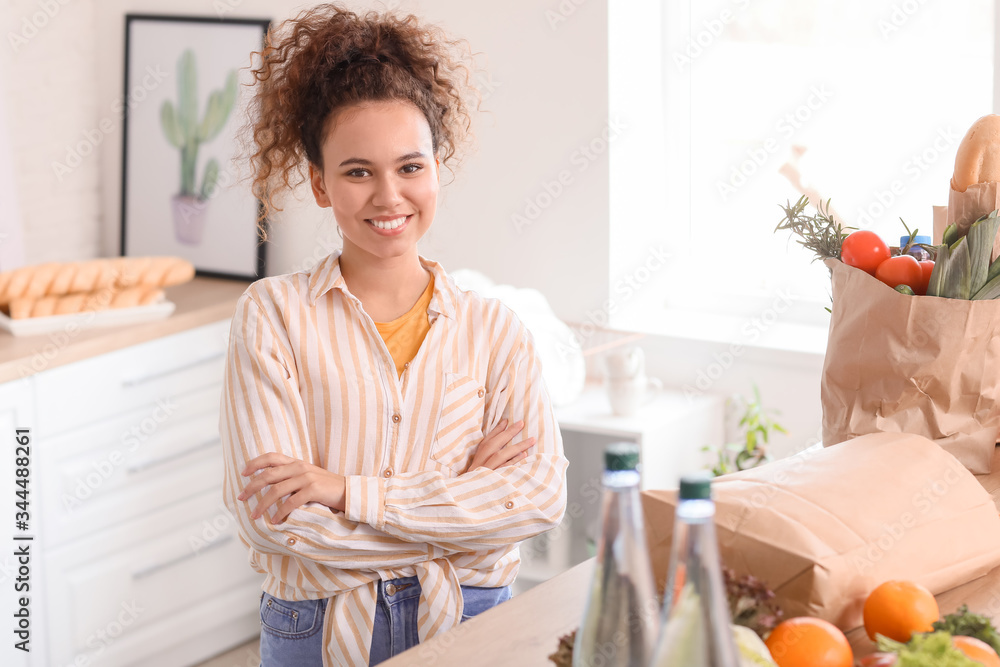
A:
(93, 275)
(978, 156)
(43, 306)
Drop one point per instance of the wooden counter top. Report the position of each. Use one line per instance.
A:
(525, 630)
(199, 301)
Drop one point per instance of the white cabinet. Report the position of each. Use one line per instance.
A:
(137, 560)
(671, 429)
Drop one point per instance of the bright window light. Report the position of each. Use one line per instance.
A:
(859, 101)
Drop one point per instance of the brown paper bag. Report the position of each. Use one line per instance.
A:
(964, 208)
(825, 527)
(911, 364)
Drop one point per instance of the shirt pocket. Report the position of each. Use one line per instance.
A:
(460, 422)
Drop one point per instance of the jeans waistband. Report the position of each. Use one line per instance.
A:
(395, 590)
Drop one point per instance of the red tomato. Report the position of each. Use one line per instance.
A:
(901, 270)
(865, 250)
(926, 268)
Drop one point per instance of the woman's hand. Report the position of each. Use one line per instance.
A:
(286, 475)
(496, 449)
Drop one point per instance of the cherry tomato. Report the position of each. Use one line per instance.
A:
(901, 270)
(926, 267)
(865, 250)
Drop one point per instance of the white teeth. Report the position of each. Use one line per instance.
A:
(389, 224)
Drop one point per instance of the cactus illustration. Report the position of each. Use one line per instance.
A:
(183, 130)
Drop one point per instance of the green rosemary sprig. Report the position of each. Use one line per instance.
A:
(819, 232)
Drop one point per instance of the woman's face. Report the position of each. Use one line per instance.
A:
(379, 176)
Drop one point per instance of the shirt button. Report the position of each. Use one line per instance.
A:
(481, 393)
(390, 589)
(388, 472)
(396, 418)
(406, 365)
(509, 504)
(291, 540)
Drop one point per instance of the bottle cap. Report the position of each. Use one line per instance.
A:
(919, 238)
(621, 456)
(696, 486)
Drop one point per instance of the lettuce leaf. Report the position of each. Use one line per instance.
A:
(964, 622)
(926, 650)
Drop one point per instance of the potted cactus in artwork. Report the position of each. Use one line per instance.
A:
(184, 130)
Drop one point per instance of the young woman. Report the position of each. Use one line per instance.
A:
(357, 394)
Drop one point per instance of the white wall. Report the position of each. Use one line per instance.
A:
(548, 73)
(49, 60)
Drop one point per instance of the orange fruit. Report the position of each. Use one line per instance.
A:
(897, 609)
(976, 649)
(809, 642)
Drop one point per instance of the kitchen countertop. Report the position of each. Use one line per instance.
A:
(199, 301)
(525, 630)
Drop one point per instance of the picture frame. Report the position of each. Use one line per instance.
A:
(184, 100)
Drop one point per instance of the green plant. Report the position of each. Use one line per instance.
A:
(184, 131)
(819, 232)
(751, 450)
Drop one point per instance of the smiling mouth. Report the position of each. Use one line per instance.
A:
(389, 225)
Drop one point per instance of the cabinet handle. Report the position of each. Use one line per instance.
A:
(150, 463)
(132, 382)
(146, 571)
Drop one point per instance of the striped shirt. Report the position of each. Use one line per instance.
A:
(308, 375)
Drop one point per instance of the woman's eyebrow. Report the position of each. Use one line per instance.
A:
(362, 161)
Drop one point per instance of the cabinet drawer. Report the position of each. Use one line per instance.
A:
(128, 466)
(123, 582)
(193, 636)
(109, 384)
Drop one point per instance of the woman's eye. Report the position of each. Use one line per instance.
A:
(416, 168)
(357, 173)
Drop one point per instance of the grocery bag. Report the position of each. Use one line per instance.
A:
(823, 528)
(911, 364)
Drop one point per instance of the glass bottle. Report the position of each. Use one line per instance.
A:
(621, 615)
(697, 629)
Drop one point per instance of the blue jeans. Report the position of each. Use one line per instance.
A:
(291, 633)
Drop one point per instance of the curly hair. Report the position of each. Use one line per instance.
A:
(328, 58)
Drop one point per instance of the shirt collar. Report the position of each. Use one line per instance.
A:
(326, 276)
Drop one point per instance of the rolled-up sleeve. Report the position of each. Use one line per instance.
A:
(262, 411)
(482, 508)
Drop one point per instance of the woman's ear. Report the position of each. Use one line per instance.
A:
(318, 188)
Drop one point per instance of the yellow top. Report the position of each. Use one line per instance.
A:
(404, 334)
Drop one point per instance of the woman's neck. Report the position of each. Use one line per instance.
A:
(387, 286)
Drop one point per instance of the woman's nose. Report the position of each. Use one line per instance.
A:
(387, 192)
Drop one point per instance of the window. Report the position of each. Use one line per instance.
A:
(860, 101)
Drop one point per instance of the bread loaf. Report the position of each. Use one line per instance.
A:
(43, 306)
(93, 275)
(978, 156)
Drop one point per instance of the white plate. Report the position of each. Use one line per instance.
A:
(32, 326)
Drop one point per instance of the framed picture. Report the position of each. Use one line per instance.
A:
(184, 101)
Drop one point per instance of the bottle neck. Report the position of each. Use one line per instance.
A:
(620, 479)
(696, 511)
